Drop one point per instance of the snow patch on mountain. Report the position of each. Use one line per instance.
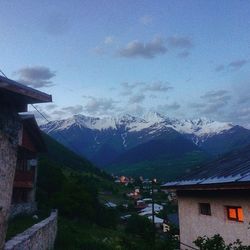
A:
(152, 121)
(201, 126)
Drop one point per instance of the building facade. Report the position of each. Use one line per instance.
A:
(24, 186)
(215, 199)
(206, 213)
(14, 98)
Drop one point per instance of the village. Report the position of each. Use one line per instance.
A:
(145, 198)
(125, 125)
(211, 200)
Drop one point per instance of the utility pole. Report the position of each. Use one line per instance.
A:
(153, 206)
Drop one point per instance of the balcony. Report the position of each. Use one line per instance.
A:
(24, 179)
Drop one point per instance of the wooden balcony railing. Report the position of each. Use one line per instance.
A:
(24, 179)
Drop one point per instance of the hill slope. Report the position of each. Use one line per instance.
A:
(130, 144)
(163, 158)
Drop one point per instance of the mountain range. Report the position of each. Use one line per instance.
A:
(152, 145)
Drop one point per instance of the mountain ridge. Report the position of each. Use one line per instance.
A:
(109, 140)
(199, 126)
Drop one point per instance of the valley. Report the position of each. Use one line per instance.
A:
(152, 145)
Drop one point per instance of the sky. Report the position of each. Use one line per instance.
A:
(182, 58)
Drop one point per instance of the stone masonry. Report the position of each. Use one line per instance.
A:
(10, 126)
(41, 236)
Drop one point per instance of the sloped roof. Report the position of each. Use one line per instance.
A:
(231, 169)
(14, 91)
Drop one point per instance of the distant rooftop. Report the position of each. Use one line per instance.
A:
(12, 91)
(230, 170)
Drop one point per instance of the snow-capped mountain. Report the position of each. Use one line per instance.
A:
(154, 121)
(105, 139)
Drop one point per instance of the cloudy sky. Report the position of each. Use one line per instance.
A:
(184, 59)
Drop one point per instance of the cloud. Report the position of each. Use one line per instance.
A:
(59, 113)
(212, 103)
(135, 109)
(183, 54)
(57, 24)
(127, 88)
(73, 109)
(99, 105)
(136, 99)
(169, 107)
(37, 76)
(109, 40)
(219, 67)
(243, 99)
(137, 89)
(146, 20)
(237, 64)
(196, 105)
(157, 87)
(105, 46)
(180, 42)
(148, 50)
(233, 65)
(99, 51)
(49, 107)
(217, 96)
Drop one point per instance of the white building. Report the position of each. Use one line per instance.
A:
(215, 199)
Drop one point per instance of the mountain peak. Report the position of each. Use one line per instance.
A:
(151, 120)
(153, 116)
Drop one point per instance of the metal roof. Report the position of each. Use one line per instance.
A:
(232, 168)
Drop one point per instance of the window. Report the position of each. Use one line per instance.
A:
(235, 213)
(205, 208)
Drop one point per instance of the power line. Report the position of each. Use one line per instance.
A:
(47, 120)
(60, 134)
(3, 73)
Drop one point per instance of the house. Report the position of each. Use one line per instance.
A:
(215, 199)
(110, 204)
(147, 200)
(124, 180)
(148, 209)
(140, 204)
(14, 98)
(158, 221)
(24, 187)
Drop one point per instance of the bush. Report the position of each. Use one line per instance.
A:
(140, 226)
(217, 242)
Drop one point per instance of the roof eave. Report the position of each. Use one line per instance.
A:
(18, 88)
(214, 186)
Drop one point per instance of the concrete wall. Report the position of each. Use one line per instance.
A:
(194, 224)
(10, 126)
(41, 236)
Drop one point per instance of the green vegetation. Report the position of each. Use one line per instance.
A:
(21, 223)
(73, 185)
(218, 243)
(164, 168)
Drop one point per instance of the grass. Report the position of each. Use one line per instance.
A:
(20, 223)
(85, 235)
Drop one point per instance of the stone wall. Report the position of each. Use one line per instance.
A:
(41, 236)
(10, 126)
(23, 208)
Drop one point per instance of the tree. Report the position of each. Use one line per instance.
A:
(140, 226)
(217, 243)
